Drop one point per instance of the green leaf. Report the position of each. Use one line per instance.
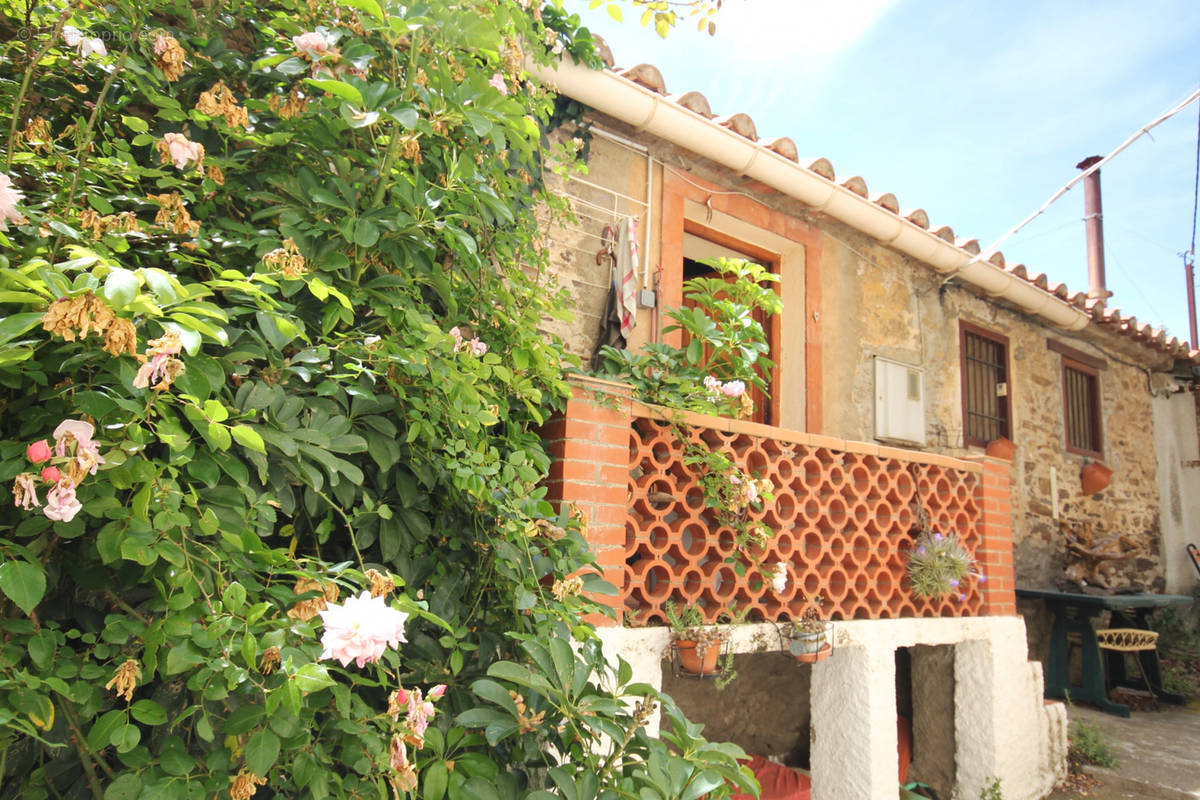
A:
(365, 233)
(13, 326)
(126, 737)
(135, 124)
(218, 435)
(215, 410)
(369, 6)
(41, 648)
(248, 437)
(126, 786)
(338, 89)
(261, 752)
(313, 677)
(23, 583)
(121, 287)
(148, 712)
(234, 597)
(614, 11)
(101, 733)
(436, 777)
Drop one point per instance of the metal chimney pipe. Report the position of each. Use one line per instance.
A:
(1094, 217)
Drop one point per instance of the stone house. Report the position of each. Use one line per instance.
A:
(900, 355)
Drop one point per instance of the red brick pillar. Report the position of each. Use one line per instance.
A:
(589, 442)
(995, 554)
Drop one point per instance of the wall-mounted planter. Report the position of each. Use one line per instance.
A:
(1001, 448)
(809, 647)
(698, 658)
(1095, 477)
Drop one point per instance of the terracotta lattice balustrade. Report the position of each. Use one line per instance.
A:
(841, 520)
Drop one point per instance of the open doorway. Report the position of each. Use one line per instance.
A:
(701, 243)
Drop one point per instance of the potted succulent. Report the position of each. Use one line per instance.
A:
(811, 638)
(697, 646)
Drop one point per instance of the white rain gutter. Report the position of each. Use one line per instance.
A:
(647, 111)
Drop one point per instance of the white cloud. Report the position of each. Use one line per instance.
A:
(797, 32)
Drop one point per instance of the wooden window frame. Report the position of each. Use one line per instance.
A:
(1093, 401)
(968, 329)
(1091, 366)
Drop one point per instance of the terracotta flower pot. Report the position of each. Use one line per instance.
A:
(812, 658)
(695, 659)
(1095, 477)
(1001, 448)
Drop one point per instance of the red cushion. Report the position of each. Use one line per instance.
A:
(778, 782)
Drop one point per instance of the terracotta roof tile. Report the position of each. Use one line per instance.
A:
(916, 216)
(694, 102)
(603, 50)
(783, 146)
(1017, 270)
(857, 185)
(945, 233)
(886, 200)
(970, 245)
(739, 123)
(821, 166)
(646, 75)
(996, 259)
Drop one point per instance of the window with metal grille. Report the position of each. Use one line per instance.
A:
(985, 386)
(1081, 400)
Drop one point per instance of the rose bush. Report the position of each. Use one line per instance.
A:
(270, 290)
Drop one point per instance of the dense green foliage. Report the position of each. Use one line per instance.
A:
(283, 258)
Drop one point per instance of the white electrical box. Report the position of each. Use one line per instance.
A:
(899, 402)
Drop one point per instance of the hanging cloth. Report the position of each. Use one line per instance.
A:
(627, 272)
(610, 320)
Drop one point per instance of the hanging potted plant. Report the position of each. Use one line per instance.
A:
(811, 638)
(939, 564)
(696, 646)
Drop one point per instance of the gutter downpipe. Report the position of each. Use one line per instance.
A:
(647, 111)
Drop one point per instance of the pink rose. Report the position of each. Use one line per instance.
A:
(182, 151)
(733, 388)
(437, 691)
(9, 197)
(478, 348)
(497, 83)
(24, 492)
(361, 630)
(38, 452)
(80, 433)
(61, 505)
(51, 475)
(312, 44)
(92, 46)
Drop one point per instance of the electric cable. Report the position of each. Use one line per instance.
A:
(986, 253)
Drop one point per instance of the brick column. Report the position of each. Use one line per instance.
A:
(589, 443)
(995, 555)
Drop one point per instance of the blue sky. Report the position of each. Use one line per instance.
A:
(976, 112)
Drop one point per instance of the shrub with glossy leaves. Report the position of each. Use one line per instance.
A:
(270, 380)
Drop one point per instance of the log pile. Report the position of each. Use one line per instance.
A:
(1099, 563)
